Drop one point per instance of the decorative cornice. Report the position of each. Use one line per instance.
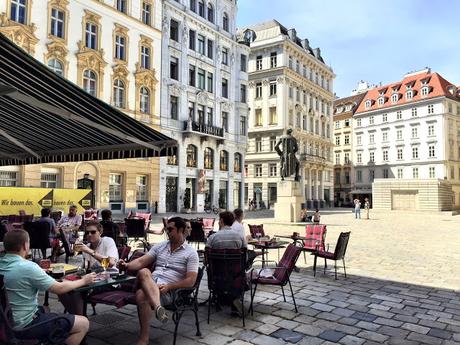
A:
(21, 35)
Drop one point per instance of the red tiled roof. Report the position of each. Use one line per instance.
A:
(438, 86)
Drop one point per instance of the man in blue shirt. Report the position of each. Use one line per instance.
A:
(23, 279)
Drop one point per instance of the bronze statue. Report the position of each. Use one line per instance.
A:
(289, 162)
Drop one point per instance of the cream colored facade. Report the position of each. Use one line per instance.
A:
(112, 49)
(290, 86)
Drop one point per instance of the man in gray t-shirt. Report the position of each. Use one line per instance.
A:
(176, 267)
(226, 237)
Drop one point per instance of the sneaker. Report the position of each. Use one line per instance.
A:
(161, 314)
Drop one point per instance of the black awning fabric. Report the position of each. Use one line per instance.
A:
(45, 118)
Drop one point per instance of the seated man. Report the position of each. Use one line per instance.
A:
(238, 223)
(111, 229)
(45, 218)
(226, 237)
(176, 266)
(23, 279)
(71, 222)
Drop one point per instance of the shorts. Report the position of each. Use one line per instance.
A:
(52, 322)
(166, 298)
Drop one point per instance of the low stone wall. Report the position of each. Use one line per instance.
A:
(416, 195)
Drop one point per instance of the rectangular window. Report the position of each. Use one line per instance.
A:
(371, 175)
(57, 23)
(337, 140)
(432, 172)
(414, 172)
(243, 93)
(272, 143)
(122, 6)
(258, 144)
(201, 48)
(400, 154)
(91, 36)
(224, 88)
(385, 136)
(120, 47)
(430, 109)
(8, 178)
(347, 139)
(146, 13)
(347, 158)
(141, 188)
(243, 125)
(259, 90)
(49, 180)
(210, 79)
(384, 118)
(174, 30)
(371, 139)
(174, 68)
(385, 155)
(337, 158)
(258, 117)
(273, 170)
(371, 157)
(115, 187)
(225, 56)
(337, 124)
(359, 176)
(191, 110)
(145, 57)
(452, 172)
(414, 132)
(201, 8)
(201, 79)
(398, 115)
(210, 117)
(400, 173)
(371, 120)
(273, 60)
(273, 118)
(19, 11)
(358, 122)
(414, 112)
(385, 173)
(258, 170)
(430, 130)
(273, 88)
(243, 63)
(174, 104)
(415, 153)
(259, 63)
(191, 75)
(431, 151)
(359, 157)
(399, 134)
(225, 121)
(210, 49)
(192, 40)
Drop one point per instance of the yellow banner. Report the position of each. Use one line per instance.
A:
(32, 200)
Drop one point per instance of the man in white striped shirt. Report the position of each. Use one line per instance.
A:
(176, 267)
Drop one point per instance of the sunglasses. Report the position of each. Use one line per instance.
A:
(92, 232)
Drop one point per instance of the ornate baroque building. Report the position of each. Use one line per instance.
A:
(290, 86)
(110, 48)
(203, 105)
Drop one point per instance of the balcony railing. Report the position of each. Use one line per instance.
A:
(312, 158)
(202, 128)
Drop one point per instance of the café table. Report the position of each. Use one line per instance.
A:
(68, 269)
(265, 246)
(297, 239)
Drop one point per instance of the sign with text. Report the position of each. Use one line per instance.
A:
(32, 200)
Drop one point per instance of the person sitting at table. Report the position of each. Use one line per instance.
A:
(188, 227)
(94, 252)
(23, 280)
(54, 242)
(316, 216)
(304, 215)
(176, 267)
(71, 222)
(226, 237)
(238, 223)
(111, 229)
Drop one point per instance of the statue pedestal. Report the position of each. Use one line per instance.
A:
(289, 200)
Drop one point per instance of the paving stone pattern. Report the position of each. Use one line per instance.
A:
(417, 306)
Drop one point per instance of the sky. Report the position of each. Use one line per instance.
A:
(370, 40)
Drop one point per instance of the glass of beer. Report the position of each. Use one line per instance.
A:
(105, 262)
(77, 248)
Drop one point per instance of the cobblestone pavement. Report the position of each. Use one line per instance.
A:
(402, 288)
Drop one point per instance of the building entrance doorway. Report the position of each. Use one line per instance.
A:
(190, 194)
(171, 194)
(87, 183)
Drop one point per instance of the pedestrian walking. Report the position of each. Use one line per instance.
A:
(357, 209)
(366, 207)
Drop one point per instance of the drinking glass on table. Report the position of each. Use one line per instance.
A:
(77, 248)
(105, 261)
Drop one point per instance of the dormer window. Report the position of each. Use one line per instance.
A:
(368, 104)
(425, 90)
(409, 95)
(394, 97)
(381, 100)
(348, 107)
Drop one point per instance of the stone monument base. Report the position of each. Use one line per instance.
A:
(289, 200)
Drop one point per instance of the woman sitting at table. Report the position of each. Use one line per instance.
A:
(94, 252)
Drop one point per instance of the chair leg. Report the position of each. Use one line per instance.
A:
(94, 308)
(292, 294)
(335, 268)
(282, 290)
(251, 308)
(209, 305)
(325, 265)
(314, 265)
(305, 257)
(344, 269)
(176, 318)
(197, 321)
(242, 307)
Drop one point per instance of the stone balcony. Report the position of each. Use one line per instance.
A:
(203, 129)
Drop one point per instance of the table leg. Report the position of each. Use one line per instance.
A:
(45, 302)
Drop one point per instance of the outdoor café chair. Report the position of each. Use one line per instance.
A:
(208, 224)
(256, 230)
(39, 233)
(280, 276)
(316, 236)
(135, 229)
(226, 275)
(338, 254)
(8, 335)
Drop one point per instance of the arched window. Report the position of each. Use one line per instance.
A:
(224, 160)
(191, 156)
(237, 163)
(225, 24)
(210, 13)
(144, 100)
(90, 82)
(208, 158)
(201, 8)
(55, 66)
(118, 93)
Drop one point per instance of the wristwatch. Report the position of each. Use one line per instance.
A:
(93, 253)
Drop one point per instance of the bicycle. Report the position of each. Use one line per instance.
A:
(208, 209)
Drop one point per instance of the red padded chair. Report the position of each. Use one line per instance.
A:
(208, 224)
(281, 274)
(316, 235)
(256, 229)
(146, 216)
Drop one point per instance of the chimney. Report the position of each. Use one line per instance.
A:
(317, 53)
(292, 34)
(306, 44)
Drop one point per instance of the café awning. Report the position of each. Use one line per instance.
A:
(45, 118)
